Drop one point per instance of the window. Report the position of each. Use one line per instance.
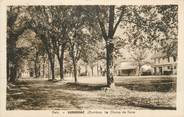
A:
(155, 70)
(171, 69)
(158, 60)
(163, 58)
(168, 59)
(160, 70)
(174, 58)
(168, 67)
(162, 43)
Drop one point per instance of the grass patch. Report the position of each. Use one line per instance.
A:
(148, 85)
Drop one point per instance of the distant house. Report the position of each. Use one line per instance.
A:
(147, 69)
(98, 68)
(25, 73)
(164, 64)
(126, 69)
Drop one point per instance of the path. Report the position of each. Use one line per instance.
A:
(46, 95)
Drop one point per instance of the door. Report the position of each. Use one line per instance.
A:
(160, 70)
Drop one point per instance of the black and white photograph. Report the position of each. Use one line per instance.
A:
(91, 57)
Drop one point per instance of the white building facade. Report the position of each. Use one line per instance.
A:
(165, 65)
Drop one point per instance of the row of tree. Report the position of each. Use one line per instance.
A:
(78, 30)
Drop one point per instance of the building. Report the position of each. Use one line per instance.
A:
(126, 69)
(164, 64)
(147, 69)
(96, 69)
(25, 73)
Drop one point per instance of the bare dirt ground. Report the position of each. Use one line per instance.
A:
(41, 94)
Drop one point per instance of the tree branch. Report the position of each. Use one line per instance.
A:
(102, 27)
(111, 21)
(119, 20)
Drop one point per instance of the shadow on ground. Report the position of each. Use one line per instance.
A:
(82, 86)
(44, 95)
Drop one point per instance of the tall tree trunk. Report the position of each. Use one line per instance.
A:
(108, 37)
(13, 68)
(8, 67)
(91, 70)
(86, 70)
(109, 49)
(60, 57)
(48, 66)
(43, 69)
(75, 72)
(39, 70)
(52, 70)
(74, 69)
(35, 69)
(61, 64)
(139, 69)
(13, 74)
(51, 58)
(35, 65)
(44, 66)
(72, 55)
(52, 66)
(109, 63)
(74, 66)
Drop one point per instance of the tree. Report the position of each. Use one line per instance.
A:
(139, 56)
(75, 50)
(151, 28)
(113, 22)
(60, 20)
(40, 25)
(160, 25)
(138, 47)
(16, 25)
(90, 51)
(169, 26)
(108, 19)
(77, 36)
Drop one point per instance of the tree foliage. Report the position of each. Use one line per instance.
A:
(79, 30)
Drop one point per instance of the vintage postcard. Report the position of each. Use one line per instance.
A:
(91, 58)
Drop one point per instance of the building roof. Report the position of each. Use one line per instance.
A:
(126, 66)
(146, 68)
